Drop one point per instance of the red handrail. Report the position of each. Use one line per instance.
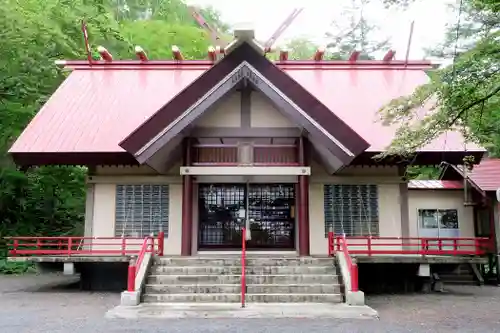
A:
(161, 243)
(342, 247)
(148, 246)
(243, 266)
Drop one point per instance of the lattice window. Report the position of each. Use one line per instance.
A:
(141, 210)
(351, 210)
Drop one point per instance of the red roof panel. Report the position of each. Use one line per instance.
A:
(95, 109)
(486, 175)
(435, 184)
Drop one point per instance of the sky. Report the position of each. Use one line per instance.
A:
(430, 16)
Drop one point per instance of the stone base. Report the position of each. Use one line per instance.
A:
(69, 268)
(130, 298)
(355, 298)
(252, 310)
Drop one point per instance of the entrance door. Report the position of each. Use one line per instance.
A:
(272, 216)
(224, 209)
(220, 224)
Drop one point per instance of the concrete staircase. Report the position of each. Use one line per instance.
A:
(217, 279)
(462, 274)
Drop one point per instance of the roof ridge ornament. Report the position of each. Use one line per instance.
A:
(244, 33)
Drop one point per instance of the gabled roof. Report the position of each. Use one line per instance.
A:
(98, 107)
(485, 176)
(245, 63)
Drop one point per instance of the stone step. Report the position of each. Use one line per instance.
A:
(236, 270)
(293, 289)
(457, 277)
(188, 298)
(250, 279)
(236, 288)
(235, 298)
(236, 261)
(193, 289)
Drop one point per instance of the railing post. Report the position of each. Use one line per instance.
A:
(15, 245)
(124, 246)
(131, 276)
(423, 246)
(161, 242)
(369, 245)
(477, 246)
(330, 243)
(455, 246)
(70, 245)
(354, 278)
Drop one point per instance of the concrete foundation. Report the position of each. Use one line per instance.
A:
(69, 268)
(130, 298)
(252, 310)
(355, 298)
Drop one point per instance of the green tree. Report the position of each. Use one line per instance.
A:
(463, 96)
(157, 38)
(301, 49)
(50, 200)
(352, 31)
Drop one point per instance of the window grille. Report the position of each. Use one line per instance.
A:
(351, 210)
(141, 210)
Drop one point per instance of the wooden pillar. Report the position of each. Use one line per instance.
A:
(187, 204)
(303, 199)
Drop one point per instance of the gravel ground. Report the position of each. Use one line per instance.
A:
(27, 307)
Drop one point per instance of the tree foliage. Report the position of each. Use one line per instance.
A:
(463, 96)
(352, 31)
(50, 200)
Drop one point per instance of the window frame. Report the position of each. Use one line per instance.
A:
(146, 221)
(439, 213)
(358, 227)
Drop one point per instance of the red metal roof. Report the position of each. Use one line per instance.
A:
(96, 108)
(435, 184)
(486, 175)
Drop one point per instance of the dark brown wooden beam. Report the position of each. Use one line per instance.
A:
(254, 132)
(187, 204)
(303, 200)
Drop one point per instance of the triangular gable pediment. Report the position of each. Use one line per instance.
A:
(244, 64)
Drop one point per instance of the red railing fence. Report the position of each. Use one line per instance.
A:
(79, 246)
(369, 245)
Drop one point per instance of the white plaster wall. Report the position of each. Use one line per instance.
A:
(173, 241)
(440, 199)
(103, 222)
(104, 210)
(228, 114)
(389, 201)
(264, 114)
